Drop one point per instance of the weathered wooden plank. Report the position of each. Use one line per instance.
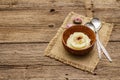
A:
(33, 18)
(22, 55)
(40, 4)
(106, 4)
(115, 33)
(12, 74)
(108, 15)
(32, 54)
(107, 10)
(73, 74)
(59, 73)
(23, 34)
(38, 34)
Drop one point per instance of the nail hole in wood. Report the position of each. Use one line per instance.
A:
(95, 73)
(92, 4)
(52, 10)
(14, 3)
(66, 78)
(50, 25)
(89, 8)
(93, 11)
(66, 74)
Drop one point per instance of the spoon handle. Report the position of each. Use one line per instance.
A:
(103, 48)
(98, 46)
(99, 49)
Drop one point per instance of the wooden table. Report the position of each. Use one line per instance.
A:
(27, 26)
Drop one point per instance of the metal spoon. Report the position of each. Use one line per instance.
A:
(98, 47)
(97, 25)
(89, 24)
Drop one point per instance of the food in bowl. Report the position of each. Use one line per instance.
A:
(74, 31)
(78, 41)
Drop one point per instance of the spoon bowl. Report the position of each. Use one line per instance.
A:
(88, 24)
(97, 23)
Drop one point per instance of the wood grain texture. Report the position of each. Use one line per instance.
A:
(107, 10)
(40, 4)
(60, 73)
(103, 4)
(11, 35)
(32, 54)
(38, 34)
(109, 15)
(26, 27)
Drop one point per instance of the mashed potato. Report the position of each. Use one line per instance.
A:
(78, 41)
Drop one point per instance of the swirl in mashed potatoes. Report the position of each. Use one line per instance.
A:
(78, 41)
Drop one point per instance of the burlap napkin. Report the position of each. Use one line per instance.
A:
(56, 50)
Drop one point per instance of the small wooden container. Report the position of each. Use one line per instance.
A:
(79, 28)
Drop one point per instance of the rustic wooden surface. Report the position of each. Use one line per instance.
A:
(27, 26)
